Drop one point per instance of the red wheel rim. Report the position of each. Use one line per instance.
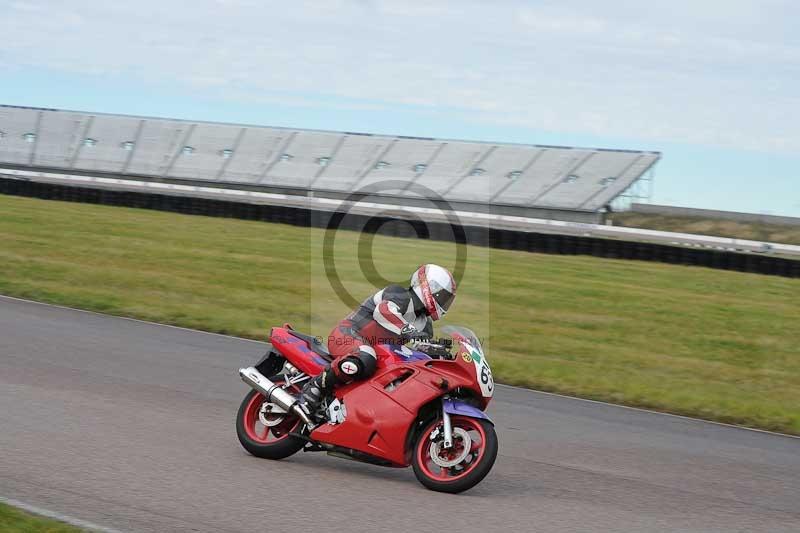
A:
(467, 465)
(261, 433)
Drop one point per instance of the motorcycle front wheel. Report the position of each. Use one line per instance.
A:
(270, 440)
(460, 467)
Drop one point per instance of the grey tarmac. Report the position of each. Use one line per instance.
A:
(130, 425)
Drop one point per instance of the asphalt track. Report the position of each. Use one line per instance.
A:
(130, 425)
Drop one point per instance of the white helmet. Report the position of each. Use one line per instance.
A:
(435, 288)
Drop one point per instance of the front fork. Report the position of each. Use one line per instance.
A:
(447, 427)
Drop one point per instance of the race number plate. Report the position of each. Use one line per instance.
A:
(485, 379)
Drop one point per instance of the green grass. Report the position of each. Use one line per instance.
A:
(709, 343)
(755, 231)
(12, 520)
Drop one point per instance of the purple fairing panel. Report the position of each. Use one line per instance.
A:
(302, 345)
(459, 407)
(407, 354)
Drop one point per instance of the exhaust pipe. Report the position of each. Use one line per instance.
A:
(273, 393)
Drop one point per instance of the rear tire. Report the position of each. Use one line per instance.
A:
(470, 470)
(267, 442)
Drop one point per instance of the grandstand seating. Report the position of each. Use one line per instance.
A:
(465, 171)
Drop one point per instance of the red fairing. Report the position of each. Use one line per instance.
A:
(380, 415)
(381, 410)
(296, 351)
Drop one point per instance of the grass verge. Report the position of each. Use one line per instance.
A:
(713, 344)
(13, 520)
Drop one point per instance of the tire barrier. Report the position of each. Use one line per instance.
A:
(480, 236)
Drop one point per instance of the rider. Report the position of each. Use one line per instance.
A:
(393, 315)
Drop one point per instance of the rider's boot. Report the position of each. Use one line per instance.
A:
(316, 389)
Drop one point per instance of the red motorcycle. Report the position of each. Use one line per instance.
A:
(424, 409)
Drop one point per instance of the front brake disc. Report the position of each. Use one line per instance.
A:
(437, 448)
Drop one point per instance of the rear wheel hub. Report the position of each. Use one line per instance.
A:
(270, 414)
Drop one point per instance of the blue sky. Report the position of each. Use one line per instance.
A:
(714, 85)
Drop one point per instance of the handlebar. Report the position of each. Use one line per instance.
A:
(437, 348)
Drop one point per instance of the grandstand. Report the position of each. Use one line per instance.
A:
(550, 182)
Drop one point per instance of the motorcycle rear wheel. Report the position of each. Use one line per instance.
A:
(267, 442)
(475, 465)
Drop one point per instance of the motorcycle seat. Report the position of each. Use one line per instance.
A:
(315, 344)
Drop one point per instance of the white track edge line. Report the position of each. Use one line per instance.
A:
(576, 398)
(77, 522)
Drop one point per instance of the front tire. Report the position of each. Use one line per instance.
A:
(472, 464)
(267, 441)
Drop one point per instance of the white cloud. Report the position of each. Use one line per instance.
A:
(712, 72)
